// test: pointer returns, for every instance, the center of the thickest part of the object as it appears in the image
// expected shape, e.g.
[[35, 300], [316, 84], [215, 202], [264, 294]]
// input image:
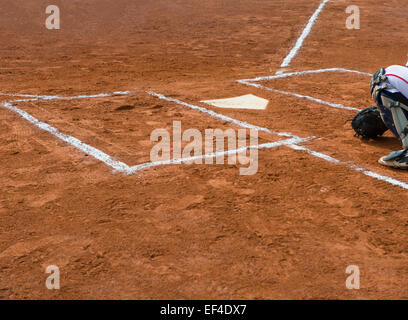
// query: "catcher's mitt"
[[368, 124]]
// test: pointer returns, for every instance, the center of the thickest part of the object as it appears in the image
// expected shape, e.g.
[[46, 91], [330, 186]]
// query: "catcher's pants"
[[387, 116]]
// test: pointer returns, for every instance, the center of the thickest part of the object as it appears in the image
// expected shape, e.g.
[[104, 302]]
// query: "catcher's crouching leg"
[[394, 112]]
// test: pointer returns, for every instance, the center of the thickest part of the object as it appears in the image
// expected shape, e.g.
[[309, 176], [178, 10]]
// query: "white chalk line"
[[121, 166], [384, 178], [304, 35], [368, 173], [306, 72], [268, 145], [85, 148], [297, 95], [19, 95], [43, 97]]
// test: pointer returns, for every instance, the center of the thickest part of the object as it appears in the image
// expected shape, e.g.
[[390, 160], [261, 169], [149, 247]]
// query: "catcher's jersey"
[[398, 78]]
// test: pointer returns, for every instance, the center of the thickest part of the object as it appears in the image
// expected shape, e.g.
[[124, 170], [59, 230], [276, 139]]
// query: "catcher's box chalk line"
[[304, 35]]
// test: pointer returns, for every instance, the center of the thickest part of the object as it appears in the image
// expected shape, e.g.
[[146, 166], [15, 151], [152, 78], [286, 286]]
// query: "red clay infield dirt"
[[196, 231]]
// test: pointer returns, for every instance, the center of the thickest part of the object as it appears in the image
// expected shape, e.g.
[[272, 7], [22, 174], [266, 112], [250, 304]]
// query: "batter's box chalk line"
[[119, 166]]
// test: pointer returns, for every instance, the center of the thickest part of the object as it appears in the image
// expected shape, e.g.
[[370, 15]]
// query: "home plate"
[[248, 101]]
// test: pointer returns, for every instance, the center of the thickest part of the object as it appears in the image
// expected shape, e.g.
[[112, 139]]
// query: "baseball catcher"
[[389, 89]]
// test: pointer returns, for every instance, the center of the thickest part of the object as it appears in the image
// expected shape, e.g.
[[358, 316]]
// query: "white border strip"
[[269, 145], [37, 98], [123, 167], [20, 95], [300, 73], [380, 177], [304, 35], [317, 100], [368, 173], [87, 149]]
